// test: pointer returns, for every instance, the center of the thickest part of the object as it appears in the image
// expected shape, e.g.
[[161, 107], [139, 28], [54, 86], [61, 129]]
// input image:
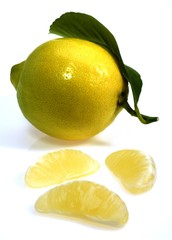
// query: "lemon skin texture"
[[69, 88]]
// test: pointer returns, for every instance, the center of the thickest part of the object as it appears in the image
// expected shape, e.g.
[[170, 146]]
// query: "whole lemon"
[[69, 88]]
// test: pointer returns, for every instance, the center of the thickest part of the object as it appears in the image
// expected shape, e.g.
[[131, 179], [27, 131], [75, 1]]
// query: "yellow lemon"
[[57, 167], [69, 88], [84, 199], [135, 169]]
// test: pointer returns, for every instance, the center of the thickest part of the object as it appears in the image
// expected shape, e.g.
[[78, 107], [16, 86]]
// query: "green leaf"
[[83, 26], [135, 81], [79, 25]]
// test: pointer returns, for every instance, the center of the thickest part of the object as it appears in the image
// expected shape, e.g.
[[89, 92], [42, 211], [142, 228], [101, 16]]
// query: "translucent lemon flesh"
[[84, 199], [135, 169], [57, 167]]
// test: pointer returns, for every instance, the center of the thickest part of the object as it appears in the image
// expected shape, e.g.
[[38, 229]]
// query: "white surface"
[[143, 32]]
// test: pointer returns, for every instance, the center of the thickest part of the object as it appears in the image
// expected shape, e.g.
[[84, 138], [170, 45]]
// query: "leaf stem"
[[143, 118]]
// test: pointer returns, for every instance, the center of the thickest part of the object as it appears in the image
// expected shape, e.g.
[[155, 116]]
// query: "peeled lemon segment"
[[60, 166], [135, 169], [86, 200]]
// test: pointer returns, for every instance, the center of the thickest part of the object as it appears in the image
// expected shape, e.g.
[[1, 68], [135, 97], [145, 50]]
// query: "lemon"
[[135, 169], [57, 167], [84, 199], [69, 88]]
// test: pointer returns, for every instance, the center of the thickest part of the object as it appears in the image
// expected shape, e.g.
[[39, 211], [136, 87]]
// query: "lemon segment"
[[135, 169], [84, 199], [57, 167]]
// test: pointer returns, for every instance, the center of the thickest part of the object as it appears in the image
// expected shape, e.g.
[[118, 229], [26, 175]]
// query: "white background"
[[143, 32]]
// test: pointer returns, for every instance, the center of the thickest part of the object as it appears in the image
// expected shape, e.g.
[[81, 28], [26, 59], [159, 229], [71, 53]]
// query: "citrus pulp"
[[135, 169], [57, 167], [84, 199]]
